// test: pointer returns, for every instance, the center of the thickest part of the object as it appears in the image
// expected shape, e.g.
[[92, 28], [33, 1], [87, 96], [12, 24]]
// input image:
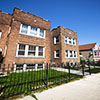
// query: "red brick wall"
[[15, 38]]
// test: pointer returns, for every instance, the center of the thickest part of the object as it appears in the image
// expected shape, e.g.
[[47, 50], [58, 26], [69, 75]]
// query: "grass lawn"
[[16, 83]]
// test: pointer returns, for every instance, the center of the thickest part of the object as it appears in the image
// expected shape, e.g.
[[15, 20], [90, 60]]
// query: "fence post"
[[69, 72], [0, 66], [47, 75], [83, 68], [94, 64], [89, 68]]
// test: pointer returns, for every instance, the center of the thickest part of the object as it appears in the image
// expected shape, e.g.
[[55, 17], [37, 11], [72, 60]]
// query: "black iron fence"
[[17, 81]]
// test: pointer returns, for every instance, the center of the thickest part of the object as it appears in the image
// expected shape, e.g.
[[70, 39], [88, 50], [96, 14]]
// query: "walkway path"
[[87, 88], [78, 72]]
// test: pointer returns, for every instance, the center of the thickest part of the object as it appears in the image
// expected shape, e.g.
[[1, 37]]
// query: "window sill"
[[56, 57], [29, 57], [32, 36]]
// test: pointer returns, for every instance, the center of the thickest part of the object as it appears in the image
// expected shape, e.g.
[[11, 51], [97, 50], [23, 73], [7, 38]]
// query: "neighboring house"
[[64, 46], [90, 51], [24, 40]]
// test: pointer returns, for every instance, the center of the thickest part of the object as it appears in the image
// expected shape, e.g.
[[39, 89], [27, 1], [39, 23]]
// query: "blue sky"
[[82, 16]]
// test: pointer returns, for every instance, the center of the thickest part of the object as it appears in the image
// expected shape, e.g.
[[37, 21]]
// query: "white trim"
[[0, 34], [72, 39], [26, 52], [29, 30], [55, 54], [5, 51], [96, 58], [25, 65], [70, 54]]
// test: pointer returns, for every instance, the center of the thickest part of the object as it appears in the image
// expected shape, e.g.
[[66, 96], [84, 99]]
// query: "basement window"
[[40, 66], [19, 66], [30, 66]]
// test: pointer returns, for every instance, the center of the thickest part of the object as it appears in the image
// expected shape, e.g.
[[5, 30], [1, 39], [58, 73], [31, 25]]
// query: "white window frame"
[[67, 53], [55, 40], [18, 50], [26, 51], [96, 54], [65, 39], [43, 33], [74, 41], [31, 50], [29, 30], [35, 32], [55, 53], [43, 51], [21, 29], [25, 65], [71, 54], [0, 34]]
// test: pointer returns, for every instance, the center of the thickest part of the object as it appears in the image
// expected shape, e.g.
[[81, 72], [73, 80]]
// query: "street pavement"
[[87, 88]]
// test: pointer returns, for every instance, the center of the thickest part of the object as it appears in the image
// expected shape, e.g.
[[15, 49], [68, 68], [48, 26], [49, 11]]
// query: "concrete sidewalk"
[[84, 89]]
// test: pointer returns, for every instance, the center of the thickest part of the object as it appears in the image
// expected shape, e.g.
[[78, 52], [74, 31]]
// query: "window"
[[56, 39], [21, 50], [0, 34], [31, 50], [40, 66], [41, 32], [33, 30], [19, 66], [74, 53], [95, 53], [30, 66], [66, 41], [74, 42], [40, 51], [66, 53], [56, 53], [24, 29], [70, 42], [71, 54]]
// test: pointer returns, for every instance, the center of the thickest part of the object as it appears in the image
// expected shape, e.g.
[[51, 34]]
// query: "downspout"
[[9, 32]]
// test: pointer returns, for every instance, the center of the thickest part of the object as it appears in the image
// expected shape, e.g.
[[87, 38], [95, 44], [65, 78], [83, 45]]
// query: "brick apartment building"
[[90, 51], [24, 40], [65, 46]]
